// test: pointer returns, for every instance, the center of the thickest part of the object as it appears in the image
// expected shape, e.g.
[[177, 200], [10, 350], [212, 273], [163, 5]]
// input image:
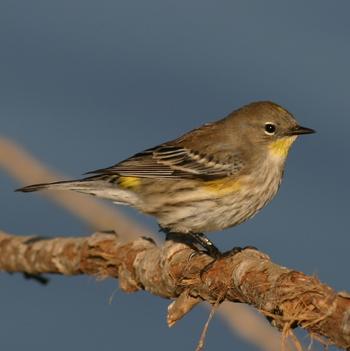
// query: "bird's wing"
[[206, 152], [169, 161]]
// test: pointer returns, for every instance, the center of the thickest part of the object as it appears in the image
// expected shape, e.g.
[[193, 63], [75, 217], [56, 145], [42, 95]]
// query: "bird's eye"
[[270, 128]]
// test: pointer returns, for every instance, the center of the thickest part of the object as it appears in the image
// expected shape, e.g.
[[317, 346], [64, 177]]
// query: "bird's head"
[[267, 126]]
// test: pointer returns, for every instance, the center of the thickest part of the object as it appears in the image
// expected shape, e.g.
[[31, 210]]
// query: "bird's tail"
[[100, 185], [61, 185]]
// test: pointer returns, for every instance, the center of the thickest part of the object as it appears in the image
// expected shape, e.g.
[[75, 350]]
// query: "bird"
[[209, 179]]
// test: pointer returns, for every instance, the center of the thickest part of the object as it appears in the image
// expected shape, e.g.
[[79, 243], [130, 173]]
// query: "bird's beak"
[[298, 130]]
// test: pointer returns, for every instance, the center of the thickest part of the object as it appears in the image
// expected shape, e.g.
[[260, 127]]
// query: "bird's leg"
[[193, 238], [206, 244], [201, 240]]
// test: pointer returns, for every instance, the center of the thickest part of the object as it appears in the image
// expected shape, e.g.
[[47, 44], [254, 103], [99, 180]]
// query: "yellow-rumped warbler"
[[211, 178]]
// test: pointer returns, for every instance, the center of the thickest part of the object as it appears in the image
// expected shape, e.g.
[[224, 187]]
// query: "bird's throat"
[[280, 147]]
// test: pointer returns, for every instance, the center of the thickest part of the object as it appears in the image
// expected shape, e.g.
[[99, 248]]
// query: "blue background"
[[84, 84]]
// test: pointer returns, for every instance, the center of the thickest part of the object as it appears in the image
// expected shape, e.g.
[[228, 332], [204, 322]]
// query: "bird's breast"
[[249, 196]]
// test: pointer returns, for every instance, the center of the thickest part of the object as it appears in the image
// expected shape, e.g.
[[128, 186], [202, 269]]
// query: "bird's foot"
[[193, 240], [209, 248], [199, 239], [235, 250]]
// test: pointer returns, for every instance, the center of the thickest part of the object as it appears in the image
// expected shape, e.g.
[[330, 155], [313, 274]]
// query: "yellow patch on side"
[[280, 147], [129, 182], [223, 186]]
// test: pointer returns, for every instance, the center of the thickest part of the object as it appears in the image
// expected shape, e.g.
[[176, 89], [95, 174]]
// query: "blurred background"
[[85, 84]]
